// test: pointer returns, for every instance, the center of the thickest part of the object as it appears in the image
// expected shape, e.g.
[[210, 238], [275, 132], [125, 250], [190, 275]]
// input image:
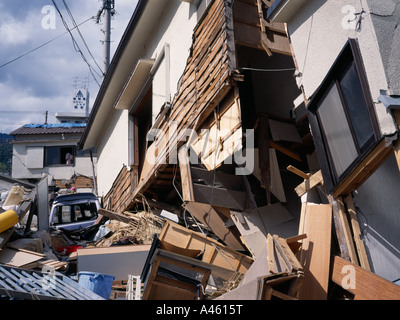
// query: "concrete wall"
[[385, 17], [318, 33], [21, 160]]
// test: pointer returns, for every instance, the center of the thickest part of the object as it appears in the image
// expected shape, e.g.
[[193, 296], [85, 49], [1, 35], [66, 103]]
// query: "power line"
[[80, 34], [42, 45], [75, 44]]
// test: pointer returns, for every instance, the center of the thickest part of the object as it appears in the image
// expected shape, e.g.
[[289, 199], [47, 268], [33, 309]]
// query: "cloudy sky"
[[44, 79]]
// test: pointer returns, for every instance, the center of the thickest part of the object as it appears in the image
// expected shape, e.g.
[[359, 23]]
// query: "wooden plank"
[[18, 257], [283, 246], [298, 172], [270, 255], [339, 230], [343, 220], [362, 253], [363, 284], [285, 151], [213, 251], [186, 177], [315, 252], [309, 183], [365, 169]]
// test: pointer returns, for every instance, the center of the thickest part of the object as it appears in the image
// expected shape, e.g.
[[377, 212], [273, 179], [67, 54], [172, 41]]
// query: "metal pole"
[[107, 35]]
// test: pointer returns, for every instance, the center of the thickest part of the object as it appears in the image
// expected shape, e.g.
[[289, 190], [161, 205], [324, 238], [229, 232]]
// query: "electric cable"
[[80, 34], [42, 45], [75, 44]]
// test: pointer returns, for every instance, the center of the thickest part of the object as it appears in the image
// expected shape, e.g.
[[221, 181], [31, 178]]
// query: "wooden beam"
[[298, 172], [186, 177], [343, 220], [365, 169], [309, 183], [284, 150], [363, 284], [362, 253]]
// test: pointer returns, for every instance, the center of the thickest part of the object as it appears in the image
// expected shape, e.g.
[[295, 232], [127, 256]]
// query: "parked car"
[[74, 211]]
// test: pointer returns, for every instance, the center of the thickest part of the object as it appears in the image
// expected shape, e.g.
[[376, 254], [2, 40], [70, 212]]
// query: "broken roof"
[[33, 129]]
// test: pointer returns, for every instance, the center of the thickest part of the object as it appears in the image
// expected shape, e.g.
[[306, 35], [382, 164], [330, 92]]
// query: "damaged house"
[[264, 136]]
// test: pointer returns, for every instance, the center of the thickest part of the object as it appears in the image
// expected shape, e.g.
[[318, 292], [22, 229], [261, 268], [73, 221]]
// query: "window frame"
[[45, 160], [350, 55]]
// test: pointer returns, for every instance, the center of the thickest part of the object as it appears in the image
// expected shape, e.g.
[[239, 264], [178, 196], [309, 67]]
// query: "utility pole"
[[109, 11]]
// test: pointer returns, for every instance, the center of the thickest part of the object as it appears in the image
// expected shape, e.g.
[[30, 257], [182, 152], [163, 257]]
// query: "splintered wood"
[[139, 227]]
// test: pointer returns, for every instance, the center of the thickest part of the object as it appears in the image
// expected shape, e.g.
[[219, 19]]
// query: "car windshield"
[[70, 213]]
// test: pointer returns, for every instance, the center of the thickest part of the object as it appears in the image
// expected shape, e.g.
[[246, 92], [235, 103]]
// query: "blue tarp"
[[56, 125]]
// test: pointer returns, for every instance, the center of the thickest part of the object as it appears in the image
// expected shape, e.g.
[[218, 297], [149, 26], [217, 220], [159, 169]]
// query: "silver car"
[[74, 211]]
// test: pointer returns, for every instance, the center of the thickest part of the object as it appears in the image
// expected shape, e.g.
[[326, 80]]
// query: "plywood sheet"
[[316, 252], [19, 257]]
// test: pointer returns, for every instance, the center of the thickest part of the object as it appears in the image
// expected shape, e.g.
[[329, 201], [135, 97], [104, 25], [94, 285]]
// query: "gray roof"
[[36, 129]]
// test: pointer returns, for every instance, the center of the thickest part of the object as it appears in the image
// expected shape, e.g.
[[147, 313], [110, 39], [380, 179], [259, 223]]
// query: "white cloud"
[[13, 32]]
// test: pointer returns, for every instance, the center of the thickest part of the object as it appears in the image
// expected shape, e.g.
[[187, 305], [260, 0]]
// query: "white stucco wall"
[[112, 151], [318, 33]]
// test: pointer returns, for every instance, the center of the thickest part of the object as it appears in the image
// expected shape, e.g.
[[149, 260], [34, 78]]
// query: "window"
[[59, 155], [65, 214], [342, 117]]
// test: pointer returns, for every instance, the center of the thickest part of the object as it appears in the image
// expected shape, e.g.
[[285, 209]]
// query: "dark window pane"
[[59, 155], [52, 156], [356, 106]]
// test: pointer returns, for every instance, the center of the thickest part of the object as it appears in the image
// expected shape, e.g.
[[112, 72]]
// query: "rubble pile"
[[153, 254]]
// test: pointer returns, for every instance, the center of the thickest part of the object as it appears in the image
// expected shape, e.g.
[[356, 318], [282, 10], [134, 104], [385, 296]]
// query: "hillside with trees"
[[5, 154]]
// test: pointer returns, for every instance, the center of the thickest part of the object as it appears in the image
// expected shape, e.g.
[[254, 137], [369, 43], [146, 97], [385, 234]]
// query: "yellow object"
[[8, 219]]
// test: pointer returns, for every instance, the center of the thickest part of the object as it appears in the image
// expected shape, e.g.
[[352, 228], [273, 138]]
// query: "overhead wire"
[[80, 34], [76, 46], [42, 45]]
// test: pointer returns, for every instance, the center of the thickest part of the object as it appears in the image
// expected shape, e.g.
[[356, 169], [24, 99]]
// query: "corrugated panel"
[[31, 285]]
